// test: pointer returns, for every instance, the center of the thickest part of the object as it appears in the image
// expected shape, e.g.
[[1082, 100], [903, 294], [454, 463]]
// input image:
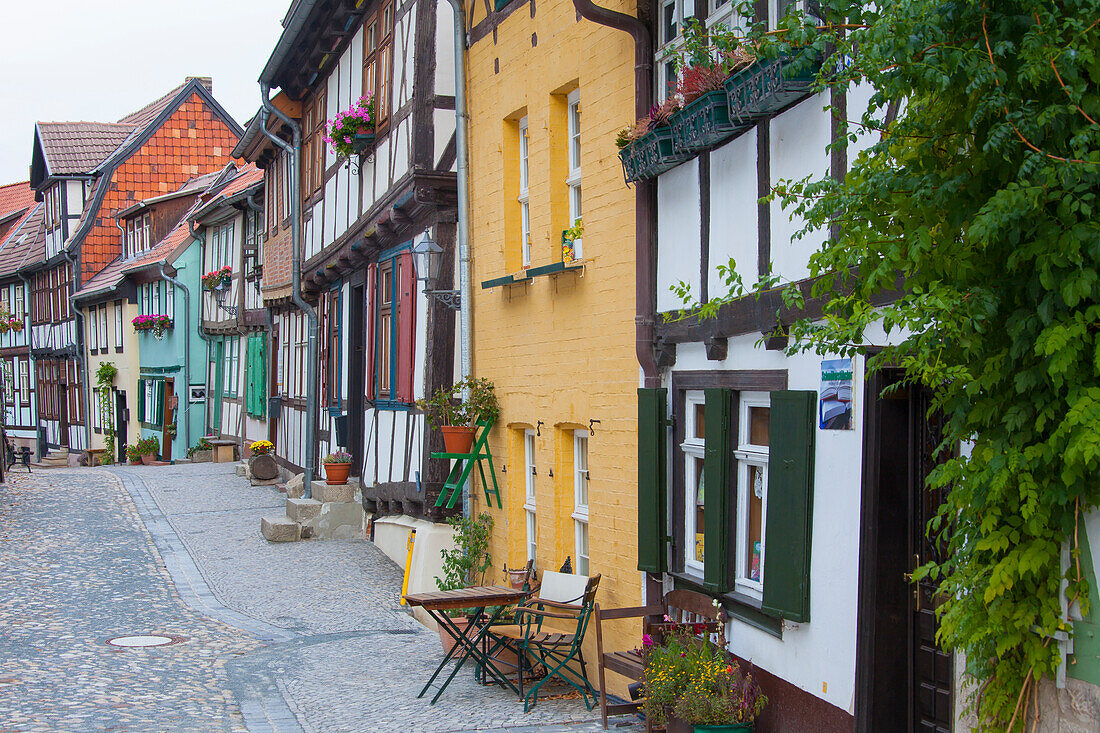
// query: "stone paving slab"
[[288, 638]]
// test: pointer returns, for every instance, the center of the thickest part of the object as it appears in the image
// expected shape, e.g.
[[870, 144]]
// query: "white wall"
[[678, 256], [733, 211]]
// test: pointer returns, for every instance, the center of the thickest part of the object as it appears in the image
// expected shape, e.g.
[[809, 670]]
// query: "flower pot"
[[148, 460], [731, 728], [516, 578], [458, 438], [446, 638], [337, 473]]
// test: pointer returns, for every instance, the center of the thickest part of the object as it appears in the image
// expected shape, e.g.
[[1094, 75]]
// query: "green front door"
[[217, 389]]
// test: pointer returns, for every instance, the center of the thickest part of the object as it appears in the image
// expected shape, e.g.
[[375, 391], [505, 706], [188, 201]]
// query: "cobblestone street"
[[305, 636]]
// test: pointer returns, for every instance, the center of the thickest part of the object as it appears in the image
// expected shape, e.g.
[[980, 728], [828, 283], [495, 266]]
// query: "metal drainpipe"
[[295, 151], [28, 329], [462, 156], [645, 207], [186, 352], [80, 354], [202, 334]]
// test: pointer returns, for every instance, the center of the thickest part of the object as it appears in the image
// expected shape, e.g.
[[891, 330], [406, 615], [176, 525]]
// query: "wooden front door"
[[121, 427], [169, 412], [904, 681], [62, 412]]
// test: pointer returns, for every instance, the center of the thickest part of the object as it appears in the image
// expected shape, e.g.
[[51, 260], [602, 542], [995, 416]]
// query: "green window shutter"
[[141, 400], [158, 408], [499, 4], [790, 505], [716, 494], [261, 377], [652, 495], [249, 376]]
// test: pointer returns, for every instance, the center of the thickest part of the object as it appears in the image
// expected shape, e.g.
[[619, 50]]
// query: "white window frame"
[[19, 306], [693, 448], [747, 455], [96, 413], [524, 197], [24, 382], [581, 487], [104, 332], [118, 324], [169, 299], [573, 115], [529, 469], [667, 46], [93, 342]]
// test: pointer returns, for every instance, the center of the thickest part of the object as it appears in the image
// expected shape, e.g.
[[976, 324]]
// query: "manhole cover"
[[144, 640]]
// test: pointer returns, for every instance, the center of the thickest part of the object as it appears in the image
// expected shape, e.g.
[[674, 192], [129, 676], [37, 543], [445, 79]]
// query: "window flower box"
[[362, 142], [650, 155], [156, 324], [215, 278], [766, 87], [704, 123], [351, 132]]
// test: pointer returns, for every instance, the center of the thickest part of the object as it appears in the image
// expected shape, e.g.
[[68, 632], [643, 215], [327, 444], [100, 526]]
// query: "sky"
[[98, 60]]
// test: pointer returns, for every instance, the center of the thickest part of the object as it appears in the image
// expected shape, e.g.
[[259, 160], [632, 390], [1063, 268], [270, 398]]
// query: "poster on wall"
[[197, 393], [835, 398]]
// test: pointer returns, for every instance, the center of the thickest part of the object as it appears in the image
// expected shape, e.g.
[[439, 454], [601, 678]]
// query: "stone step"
[[302, 510], [280, 529], [325, 492]]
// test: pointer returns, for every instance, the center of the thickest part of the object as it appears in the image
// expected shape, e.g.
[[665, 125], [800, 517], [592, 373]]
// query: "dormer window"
[[138, 236], [54, 211]]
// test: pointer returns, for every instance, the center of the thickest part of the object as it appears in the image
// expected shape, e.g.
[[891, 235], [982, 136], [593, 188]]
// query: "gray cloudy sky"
[[101, 59]]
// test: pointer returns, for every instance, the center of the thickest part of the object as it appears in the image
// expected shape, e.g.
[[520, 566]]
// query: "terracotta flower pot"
[[337, 473], [458, 438], [149, 460], [446, 638]]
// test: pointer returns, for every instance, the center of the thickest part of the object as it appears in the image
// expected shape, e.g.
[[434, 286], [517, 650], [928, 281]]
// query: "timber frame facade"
[[382, 342]]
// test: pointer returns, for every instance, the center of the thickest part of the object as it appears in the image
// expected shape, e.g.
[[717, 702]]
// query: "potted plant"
[[157, 324], [465, 565], [571, 242], [146, 450], [337, 467], [692, 685], [132, 455], [351, 132], [203, 451], [214, 278], [457, 417]]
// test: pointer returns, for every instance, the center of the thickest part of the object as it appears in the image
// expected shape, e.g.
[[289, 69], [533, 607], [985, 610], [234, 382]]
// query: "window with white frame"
[[580, 500], [24, 382], [671, 22], [524, 196], [118, 325], [574, 179], [93, 331], [9, 383], [104, 335], [752, 496], [529, 492], [97, 424], [19, 304], [693, 449], [169, 299]]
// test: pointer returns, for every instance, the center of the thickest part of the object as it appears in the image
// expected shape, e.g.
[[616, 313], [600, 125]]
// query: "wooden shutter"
[[371, 321], [158, 395], [406, 327], [790, 505], [652, 479], [141, 400], [261, 377], [716, 494]]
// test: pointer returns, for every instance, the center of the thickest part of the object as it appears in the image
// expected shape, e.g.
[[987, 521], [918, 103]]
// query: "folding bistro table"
[[468, 640]]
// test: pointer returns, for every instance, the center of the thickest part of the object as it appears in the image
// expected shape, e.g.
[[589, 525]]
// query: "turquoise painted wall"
[[165, 357]]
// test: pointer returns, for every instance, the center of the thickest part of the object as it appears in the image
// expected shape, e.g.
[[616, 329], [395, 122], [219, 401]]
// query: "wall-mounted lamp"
[[220, 291], [428, 259]]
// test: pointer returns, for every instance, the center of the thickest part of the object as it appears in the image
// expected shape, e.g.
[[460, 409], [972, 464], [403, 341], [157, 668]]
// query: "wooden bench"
[[224, 450], [681, 606], [95, 456]]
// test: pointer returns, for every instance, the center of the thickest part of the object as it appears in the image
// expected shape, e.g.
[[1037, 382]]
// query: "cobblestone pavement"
[[305, 636]]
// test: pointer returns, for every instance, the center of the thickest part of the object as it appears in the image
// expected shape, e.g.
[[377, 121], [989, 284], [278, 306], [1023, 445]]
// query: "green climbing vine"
[[976, 189], [105, 379]]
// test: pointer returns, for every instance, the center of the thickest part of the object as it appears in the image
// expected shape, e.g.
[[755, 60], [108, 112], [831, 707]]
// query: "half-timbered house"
[[382, 342], [22, 235], [232, 316], [85, 173]]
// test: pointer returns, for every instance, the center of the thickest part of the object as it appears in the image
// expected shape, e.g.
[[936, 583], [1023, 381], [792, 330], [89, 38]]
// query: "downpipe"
[[201, 238], [295, 150], [186, 352], [462, 162], [32, 377]]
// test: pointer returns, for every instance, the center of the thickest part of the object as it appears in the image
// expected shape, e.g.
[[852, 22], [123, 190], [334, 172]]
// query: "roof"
[[78, 147], [148, 113], [193, 186], [26, 243], [15, 198], [249, 177]]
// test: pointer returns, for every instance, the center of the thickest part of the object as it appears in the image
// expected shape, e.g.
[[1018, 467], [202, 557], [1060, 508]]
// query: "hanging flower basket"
[[704, 123], [10, 323], [155, 324], [768, 86], [215, 278], [351, 132], [650, 155]]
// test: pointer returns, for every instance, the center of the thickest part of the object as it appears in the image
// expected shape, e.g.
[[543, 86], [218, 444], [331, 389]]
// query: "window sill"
[[392, 405], [738, 605], [532, 272]]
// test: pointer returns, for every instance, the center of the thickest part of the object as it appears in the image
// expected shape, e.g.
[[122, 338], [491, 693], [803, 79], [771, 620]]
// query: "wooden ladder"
[[464, 463]]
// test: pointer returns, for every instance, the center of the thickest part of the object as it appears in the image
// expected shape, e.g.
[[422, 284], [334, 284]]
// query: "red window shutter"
[[372, 318], [406, 327]]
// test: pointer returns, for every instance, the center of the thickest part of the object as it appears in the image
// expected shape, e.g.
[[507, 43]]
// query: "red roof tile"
[[26, 243], [15, 198], [146, 114]]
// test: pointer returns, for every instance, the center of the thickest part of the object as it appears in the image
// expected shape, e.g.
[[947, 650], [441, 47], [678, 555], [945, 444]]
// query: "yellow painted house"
[[554, 331]]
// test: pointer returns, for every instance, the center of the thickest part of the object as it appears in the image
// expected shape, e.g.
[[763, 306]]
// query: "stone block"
[[202, 456], [262, 482], [241, 469], [295, 487], [325, 493], [280, 529], [338, 521], [302, 510]]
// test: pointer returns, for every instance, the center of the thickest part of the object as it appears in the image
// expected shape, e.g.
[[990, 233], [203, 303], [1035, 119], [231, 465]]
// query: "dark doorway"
[[121, 415], [904, 681], [63, 415], [356, 385]]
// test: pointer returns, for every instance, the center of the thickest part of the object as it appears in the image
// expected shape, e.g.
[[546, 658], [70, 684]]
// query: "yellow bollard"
[[408, 564]]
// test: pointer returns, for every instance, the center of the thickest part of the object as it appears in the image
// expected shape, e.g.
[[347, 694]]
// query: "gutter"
[[81, 364], [309, 456], [186, 352], [645, 207]]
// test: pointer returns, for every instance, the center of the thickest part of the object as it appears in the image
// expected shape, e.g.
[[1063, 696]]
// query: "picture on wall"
[[835, 397]]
